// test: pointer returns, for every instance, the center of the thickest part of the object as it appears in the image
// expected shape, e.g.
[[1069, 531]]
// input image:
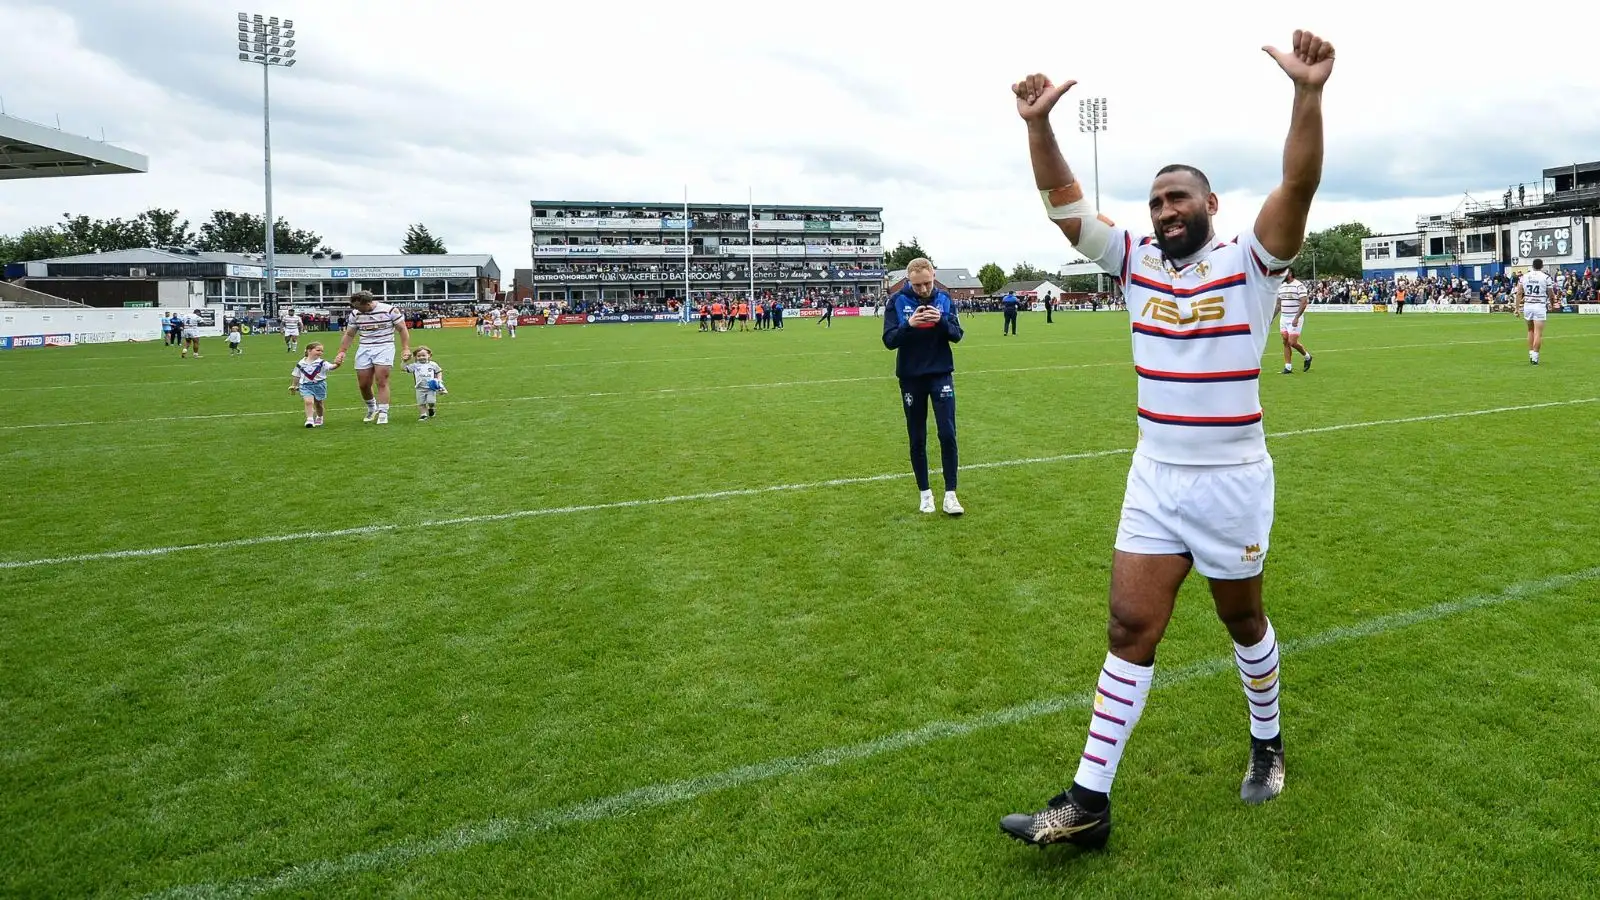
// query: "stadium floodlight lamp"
[[267, 42]]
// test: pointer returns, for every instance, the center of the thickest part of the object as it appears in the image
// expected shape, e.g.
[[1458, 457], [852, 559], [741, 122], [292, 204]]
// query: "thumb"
[[1062, 88]]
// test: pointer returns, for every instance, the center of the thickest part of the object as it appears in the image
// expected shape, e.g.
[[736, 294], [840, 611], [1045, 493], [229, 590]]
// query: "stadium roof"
[[29, 150], [728, 207], [284, 260], [1579, 168]]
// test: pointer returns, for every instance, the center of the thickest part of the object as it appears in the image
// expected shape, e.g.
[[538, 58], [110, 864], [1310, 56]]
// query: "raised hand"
[[1036, 96], [1309, 62]]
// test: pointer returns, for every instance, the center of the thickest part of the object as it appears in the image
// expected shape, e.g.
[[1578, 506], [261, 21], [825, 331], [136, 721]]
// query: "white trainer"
[[951, 504], [372, 415], [383, 418], [927, 501]]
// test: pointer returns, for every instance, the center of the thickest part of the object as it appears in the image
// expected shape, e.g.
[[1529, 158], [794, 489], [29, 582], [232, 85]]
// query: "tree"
[[1334, 252], [165, 230], [993, 277], [41, 242], [235, 232], [1026, 272], [903, 253], [420, 240]]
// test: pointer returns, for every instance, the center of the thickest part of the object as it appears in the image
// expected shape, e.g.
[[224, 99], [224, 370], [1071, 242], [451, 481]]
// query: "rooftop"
[[678, 207], [284, 260], [30, 150], [952, 279]]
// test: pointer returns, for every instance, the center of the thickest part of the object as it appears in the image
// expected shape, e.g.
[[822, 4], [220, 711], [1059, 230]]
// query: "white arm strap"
[[1094, 234]]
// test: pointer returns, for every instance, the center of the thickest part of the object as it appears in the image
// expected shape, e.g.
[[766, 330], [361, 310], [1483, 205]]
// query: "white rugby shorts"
[[377, 355], [190, 334], [1289, 326], [1221, 516], [1534, 312]]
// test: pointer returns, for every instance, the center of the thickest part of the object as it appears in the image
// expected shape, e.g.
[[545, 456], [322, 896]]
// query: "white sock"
[[1118, 702], [1258, 671], [383, 407], [372, 406]]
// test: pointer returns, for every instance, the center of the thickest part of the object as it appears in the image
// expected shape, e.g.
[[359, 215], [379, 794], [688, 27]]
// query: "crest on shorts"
[[1251, 553], [909, 399]]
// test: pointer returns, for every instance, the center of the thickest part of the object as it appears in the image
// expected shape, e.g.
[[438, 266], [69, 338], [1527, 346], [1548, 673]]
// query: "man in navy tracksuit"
[[920, 324], [1008, 306]]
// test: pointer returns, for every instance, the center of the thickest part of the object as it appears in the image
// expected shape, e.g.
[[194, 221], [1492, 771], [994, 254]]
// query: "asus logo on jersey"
[[1164, 310]]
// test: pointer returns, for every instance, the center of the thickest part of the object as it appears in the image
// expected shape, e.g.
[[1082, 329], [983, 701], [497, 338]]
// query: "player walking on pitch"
[[1292, 300], [376, 323], [1533, 290], [1200, 487]]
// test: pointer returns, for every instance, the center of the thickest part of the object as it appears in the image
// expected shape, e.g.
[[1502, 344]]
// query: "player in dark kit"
[[920, 324]]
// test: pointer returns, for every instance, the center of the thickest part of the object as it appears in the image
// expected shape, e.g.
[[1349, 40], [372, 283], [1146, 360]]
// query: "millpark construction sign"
[[293, 273]]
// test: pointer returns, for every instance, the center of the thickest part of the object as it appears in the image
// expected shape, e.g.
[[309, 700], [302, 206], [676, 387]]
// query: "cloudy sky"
[[457, 114]]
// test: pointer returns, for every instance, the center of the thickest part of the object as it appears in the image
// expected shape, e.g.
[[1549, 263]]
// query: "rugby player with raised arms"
[[1200, 488]]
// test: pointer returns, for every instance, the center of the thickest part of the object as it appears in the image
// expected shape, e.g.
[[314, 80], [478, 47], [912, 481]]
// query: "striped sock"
[[1118, 702], [1258, 670]]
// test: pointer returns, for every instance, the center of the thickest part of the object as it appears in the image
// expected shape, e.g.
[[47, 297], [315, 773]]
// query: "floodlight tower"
[[266, 43], [1092, 119]]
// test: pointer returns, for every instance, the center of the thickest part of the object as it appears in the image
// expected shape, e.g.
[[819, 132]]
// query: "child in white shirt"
[[311, 382], [234, 337], [430, 382]]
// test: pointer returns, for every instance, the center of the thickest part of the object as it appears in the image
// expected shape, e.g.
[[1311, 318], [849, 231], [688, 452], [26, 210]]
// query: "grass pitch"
[[646, 611]]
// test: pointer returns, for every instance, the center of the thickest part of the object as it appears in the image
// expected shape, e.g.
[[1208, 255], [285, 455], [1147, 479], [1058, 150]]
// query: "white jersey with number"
[[376, 328], [1535, 286], [1198, 334], [1291, 301]]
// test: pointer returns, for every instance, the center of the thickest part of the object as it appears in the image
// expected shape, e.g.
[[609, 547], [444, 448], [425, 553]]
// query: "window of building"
[[1407, 248], [400, 291]]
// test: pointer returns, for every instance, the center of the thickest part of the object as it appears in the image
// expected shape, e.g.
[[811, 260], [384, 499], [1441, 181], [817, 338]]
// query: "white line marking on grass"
[[304, 875], [382, 527]]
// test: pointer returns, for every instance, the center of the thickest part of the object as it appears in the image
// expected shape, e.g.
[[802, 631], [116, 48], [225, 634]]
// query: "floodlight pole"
[[264, 42], [1092, 119], [269, 298]]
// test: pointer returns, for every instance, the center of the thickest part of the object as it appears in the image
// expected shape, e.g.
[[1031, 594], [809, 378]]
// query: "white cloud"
[[457, 115]]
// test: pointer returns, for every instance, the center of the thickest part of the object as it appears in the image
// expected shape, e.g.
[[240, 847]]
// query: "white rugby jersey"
[[376, 328], [309, 369], [1198, 336], [1535, 286], [291, 325], [1292, 299]]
